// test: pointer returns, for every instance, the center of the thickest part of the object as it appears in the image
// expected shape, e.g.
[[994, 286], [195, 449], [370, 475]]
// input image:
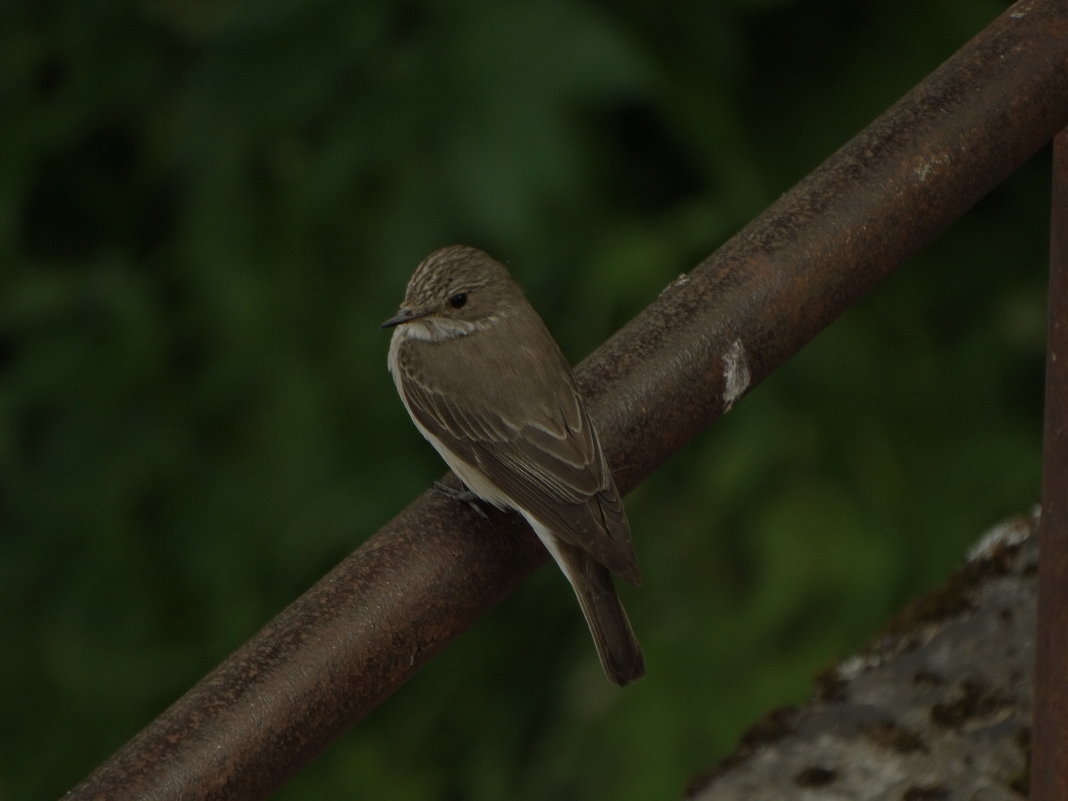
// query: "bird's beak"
[[402, 316]]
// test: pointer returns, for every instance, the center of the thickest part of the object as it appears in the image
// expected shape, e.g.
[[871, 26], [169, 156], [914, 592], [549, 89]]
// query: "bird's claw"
[[461, 495]]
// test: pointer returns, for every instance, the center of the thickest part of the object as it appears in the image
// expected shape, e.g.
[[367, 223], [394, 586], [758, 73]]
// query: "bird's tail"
[[621, 656]]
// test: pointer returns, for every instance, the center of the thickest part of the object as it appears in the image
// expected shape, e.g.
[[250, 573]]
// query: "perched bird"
[[486, 384]]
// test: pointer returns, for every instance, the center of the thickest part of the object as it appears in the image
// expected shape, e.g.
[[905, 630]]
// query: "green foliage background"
[[206, 208]]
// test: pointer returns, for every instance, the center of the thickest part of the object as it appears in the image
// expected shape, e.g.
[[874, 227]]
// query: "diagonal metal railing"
[[346, 644]]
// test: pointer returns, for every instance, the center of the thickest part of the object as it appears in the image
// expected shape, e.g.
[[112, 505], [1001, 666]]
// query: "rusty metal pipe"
[[369, 625], [1049, 743]]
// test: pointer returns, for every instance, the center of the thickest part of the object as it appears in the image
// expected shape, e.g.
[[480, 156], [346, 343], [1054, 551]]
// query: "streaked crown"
[[458, 290]]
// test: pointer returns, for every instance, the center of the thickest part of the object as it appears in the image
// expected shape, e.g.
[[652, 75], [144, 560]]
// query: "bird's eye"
[[459, 300]]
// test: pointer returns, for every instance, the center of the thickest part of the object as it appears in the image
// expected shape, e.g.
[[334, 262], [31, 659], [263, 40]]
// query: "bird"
[[486, 384]]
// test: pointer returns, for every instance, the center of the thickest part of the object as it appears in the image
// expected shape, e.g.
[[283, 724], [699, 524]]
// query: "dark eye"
[[459, 300]]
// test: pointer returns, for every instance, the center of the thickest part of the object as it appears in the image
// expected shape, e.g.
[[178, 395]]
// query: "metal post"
[[1049, 744]]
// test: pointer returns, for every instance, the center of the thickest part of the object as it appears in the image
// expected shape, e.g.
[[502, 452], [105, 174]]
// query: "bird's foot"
[[461, 495]]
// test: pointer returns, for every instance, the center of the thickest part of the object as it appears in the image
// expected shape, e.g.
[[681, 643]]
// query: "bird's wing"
[[548, 461]]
